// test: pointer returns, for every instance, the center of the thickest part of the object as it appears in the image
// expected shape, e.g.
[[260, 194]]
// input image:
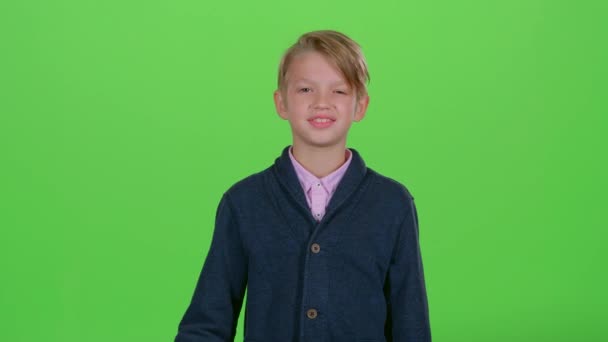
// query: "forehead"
[[313, 67], [339, 81]]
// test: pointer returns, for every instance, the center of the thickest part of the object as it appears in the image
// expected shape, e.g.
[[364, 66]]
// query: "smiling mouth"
[[321, 122]]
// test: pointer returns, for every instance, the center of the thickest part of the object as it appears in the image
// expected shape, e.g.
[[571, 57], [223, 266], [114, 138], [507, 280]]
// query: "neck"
[[320, 161]]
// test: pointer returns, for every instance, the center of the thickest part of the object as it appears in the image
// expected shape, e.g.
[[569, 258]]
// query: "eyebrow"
[[311, 81]]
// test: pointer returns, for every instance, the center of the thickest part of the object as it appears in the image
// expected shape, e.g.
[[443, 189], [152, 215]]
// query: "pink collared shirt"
[[319, 191]]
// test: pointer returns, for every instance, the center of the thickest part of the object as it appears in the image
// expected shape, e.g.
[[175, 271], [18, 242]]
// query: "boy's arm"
[[405, 291], [213, 313]]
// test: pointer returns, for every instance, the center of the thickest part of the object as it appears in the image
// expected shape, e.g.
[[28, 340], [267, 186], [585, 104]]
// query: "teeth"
[[321, 120]]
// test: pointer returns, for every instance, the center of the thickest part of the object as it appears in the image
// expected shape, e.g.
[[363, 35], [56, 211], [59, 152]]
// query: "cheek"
[[347, 106], [299, 105], [347, 101]]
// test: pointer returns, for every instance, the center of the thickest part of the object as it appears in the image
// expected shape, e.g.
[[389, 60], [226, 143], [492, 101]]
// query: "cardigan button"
[[315, 248], [311, 313]]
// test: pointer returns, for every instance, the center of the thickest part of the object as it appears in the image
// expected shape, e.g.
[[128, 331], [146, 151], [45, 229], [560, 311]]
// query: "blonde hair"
[[339, 49]]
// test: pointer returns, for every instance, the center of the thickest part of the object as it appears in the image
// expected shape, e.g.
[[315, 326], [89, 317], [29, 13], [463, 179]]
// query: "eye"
[[303, 90], [341, 92]]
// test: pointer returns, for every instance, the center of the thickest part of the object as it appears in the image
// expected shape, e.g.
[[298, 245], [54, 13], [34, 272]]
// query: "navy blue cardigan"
[[356, 275]]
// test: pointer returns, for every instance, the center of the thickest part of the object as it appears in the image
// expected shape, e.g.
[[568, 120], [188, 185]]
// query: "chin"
[[321, 143]]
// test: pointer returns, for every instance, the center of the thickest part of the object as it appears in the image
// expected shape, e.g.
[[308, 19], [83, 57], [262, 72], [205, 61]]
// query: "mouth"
[[321, 122]]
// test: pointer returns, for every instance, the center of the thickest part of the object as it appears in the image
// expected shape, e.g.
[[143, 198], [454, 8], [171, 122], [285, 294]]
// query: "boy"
[[327, 247]]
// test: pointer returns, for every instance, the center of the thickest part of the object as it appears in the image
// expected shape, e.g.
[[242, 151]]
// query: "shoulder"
[[389, 187], [397, 200], [385, 199], [248, 188]]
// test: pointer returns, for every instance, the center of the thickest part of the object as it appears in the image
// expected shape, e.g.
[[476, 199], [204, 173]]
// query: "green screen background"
[[122, 123]]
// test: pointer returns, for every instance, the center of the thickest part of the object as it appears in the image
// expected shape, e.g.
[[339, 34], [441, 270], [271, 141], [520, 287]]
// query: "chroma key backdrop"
[[123, 122]]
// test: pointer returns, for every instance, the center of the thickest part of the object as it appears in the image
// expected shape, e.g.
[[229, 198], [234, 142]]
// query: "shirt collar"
[[284, 172], [329, 182]]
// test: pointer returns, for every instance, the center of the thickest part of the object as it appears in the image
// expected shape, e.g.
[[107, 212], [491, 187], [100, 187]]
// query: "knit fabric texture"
[[356, 275]]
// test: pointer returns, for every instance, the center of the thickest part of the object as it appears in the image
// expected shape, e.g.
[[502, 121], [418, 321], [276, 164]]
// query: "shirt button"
[[311, 313], [318, 184], [315, 248]]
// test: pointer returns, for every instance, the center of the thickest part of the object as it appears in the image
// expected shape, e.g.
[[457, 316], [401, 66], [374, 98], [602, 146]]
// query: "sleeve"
[[405, 291], [213, 312]]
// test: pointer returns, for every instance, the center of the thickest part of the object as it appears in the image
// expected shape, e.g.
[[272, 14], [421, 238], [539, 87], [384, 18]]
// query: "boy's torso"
[[321, 281]]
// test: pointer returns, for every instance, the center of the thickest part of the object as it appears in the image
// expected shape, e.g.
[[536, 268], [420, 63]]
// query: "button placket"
[[318, 199]]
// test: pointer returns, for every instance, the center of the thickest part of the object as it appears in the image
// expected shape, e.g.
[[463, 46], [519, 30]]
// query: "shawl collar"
[[286, 175]]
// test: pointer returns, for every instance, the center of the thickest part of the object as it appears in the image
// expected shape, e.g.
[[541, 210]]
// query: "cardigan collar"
[[287, 177]]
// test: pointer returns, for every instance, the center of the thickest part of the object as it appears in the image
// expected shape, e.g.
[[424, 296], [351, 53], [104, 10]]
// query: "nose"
[[322, 100]]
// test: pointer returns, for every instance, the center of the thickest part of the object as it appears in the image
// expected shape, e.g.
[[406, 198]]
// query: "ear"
[[279, 104], [361, 107]]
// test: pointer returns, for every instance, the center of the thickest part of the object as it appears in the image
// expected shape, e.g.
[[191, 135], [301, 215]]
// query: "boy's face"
[[314, 88]]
